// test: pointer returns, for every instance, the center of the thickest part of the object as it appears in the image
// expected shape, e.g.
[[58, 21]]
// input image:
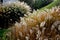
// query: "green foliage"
[[53, 4], [36, 4], [3, 34], [41, 3]]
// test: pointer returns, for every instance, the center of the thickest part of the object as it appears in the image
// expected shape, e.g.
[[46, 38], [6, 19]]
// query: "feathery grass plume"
[[11, 12], [41, 25]]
